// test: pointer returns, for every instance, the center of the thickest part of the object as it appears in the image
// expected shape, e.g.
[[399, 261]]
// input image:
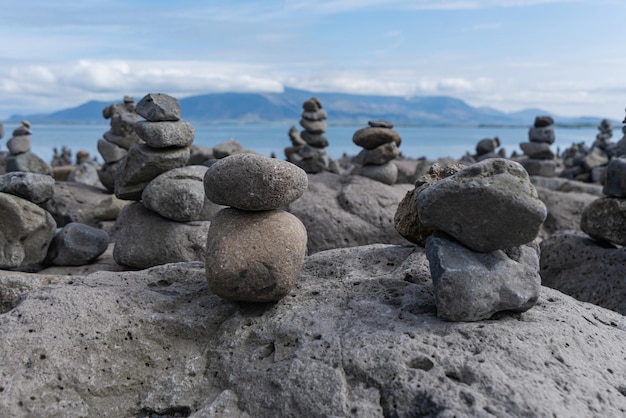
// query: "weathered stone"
[[542, 121], [166, 134], [472, 286], [145, 239], [25, 232], [487, 206], [254, 182], [107, 174], [110, 152], [319, 114], [312, 105], [596, 158], [380, 155], [615, 184], [254, 256], [76, 245], [86, 173], [159, 107], [542, 134], [314, 126], [179, 195], [36, 188], [537, 150], [142, 164], [227, 148], [407, 223], [18, 144], [534, 167], [27, 161], [370, 138], [605, 219], [77, 202], [314, 140], [123, 141], [386, 173]]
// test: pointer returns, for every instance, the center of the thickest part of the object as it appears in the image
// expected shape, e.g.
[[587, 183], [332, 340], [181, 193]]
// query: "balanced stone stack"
[[254, 250], [118, 139], [380, 146], [604, 219], [20, 157], [308, 150], [589, 164], [540, 160], [482, 221], [169, 207]]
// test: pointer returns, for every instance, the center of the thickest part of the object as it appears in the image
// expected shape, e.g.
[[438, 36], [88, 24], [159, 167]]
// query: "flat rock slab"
[[358, 336]]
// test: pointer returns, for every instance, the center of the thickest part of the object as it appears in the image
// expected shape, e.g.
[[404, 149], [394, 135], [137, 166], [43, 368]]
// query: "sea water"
[[268, 139]]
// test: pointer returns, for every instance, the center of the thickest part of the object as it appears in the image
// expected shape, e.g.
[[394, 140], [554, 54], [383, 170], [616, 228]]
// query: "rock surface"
[[358, 336], [605, 219]]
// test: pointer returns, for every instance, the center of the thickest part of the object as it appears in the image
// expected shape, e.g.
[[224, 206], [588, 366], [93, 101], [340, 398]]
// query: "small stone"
[[158, 107], [312, 105], [542, 121], [537, 150], [22, 131], [18, 144], [166, 134], [254, 182], [227, 148], [370, 138], [541, 134], [110, 152], [319, 114], [604, 219], [386, 173], [314, 140], [472, 286], [544, 168], [76, 244], [254, 257], [380, 155], [380, 124], [487, 206], [615, 184], [314, 126], [487, 145]]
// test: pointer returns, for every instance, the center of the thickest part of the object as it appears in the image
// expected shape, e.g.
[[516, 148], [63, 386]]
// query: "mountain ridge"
[[342, 108]]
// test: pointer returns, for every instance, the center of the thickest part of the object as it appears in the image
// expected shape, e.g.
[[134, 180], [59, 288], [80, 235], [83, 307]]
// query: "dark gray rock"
[[145, 239], [380, 124], [166, 134], [372, 137], [22, 131], [386, 173], [254, 182], [76, 245], [319, 114], [26, 231], [142, 165], [380, 155], [542, 134], [615, 184], [226, 148], [18, 144], [159, 107], [27, 161], [314, 140], [472, 286], [110, 152], [107, 174], [312, 105], [537, 150], [487, 206], [254, 256], [543, 168], [487, 145], [36, 188], [314, 126], [605, 219], [541, 121]]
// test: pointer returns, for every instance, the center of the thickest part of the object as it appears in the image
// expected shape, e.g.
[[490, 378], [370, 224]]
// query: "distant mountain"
[[342, 108]]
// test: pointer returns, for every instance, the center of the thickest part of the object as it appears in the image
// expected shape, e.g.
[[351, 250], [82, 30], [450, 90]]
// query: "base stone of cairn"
[[162, 145], [380, 147], [20, 157], [254, 250], [308, 150], [482, 254], [539, 159]]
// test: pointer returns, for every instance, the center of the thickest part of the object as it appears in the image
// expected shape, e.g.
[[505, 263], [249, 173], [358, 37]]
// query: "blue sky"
[[564, 56]]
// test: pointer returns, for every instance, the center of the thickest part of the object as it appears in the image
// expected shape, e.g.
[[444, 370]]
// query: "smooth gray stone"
[[27, 161], [142, 165], [26, 231], [227, 148], [107, 174], [86, 173], [386, 173], [543, 168], [76, 244], [595, 158], [159, 107], [18, 144], [472, 286], [605, 219], [166, 134], [22, 130], [110, 152], [372, 137], [487, 206], [254, 182], [314, 126], [380, 155], [179, 195], [487, 145], [36, 188], [541, 134], [314, 140], [537, 150], [380, 124], [615, 184], [145, 239], [317, 115], [312, 105]]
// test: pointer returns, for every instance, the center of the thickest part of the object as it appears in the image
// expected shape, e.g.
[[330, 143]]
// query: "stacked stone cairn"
[[254, 249], [540, 160], [479, 224], [308, 150], [589, 164], [380, 147], [118, 139], [485, 148], [20, 157], [168, 196], [604, 219]]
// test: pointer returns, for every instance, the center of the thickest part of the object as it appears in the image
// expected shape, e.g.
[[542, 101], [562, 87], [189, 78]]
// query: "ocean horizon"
[[267, 139]]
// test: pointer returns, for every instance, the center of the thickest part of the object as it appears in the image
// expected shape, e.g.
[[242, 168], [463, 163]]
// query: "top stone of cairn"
[[159, 107]]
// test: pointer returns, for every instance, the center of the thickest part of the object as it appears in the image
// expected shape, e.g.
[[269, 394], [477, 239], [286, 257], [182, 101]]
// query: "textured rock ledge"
[[358, 336]]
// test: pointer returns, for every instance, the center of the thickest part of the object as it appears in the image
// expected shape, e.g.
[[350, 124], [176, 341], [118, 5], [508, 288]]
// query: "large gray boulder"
[[145, 239], [358, 336], [27, 161], [26, 231], [34, 187], [565, 209], [348, 211]]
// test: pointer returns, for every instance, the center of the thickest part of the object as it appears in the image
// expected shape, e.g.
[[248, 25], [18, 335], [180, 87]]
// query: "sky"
[[564, 56]]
